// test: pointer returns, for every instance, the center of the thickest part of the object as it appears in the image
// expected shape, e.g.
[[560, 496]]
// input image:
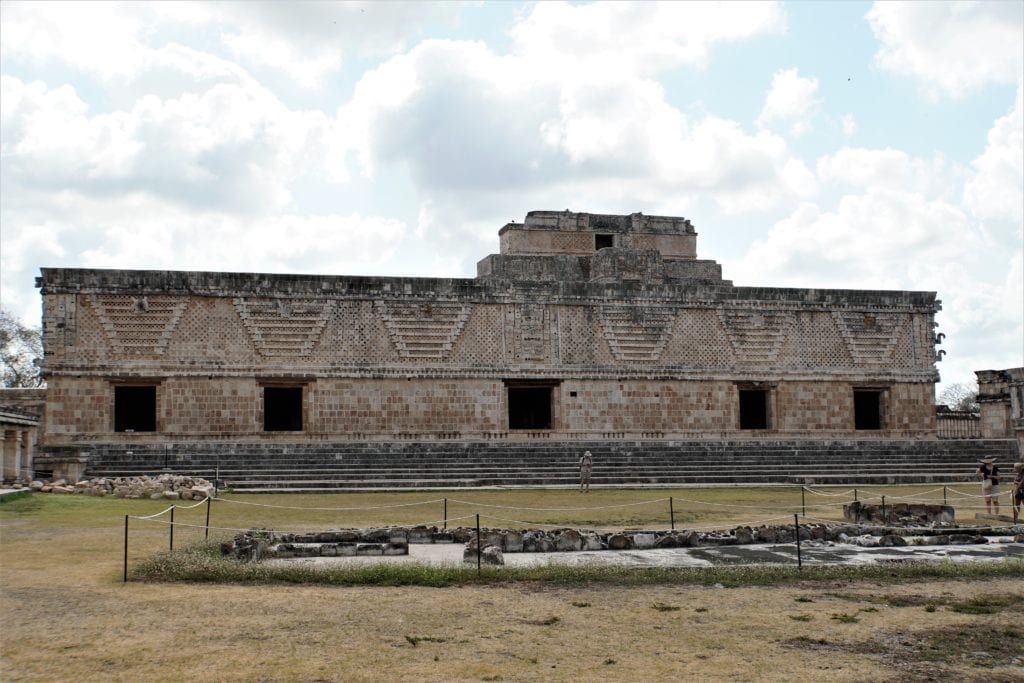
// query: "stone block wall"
[[630, 343]]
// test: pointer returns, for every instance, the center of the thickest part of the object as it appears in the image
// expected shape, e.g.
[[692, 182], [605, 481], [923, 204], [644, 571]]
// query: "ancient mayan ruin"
[[584, 328]]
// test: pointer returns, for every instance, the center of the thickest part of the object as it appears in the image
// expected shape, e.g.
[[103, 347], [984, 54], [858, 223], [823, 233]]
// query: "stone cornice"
[[481, 290]]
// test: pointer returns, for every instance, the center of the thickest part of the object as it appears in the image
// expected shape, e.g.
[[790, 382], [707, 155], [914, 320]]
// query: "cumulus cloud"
[[117, 42], [864, 243], [230, 147], [952, 48], [463, 119], [858, 167], [638, 37], [792, 101], [994, 190]]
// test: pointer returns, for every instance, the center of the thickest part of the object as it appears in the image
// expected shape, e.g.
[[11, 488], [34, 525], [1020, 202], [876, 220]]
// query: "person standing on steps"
[[586, 467], [988, 472]]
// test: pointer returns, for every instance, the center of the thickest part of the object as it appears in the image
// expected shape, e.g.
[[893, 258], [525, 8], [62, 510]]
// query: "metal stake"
[[671, 513], [445, 513], [799, 559], [125, 549], [172, 528], [478, 544], [803, 502], [208, 501]]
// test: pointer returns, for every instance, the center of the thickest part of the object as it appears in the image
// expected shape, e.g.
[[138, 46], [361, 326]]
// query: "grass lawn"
[[65, 615]]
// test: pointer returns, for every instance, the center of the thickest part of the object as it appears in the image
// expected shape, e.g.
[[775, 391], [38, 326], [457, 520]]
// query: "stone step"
[[336, 466]]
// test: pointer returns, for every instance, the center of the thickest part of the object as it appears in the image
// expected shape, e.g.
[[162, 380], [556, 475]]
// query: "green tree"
[[21, 353], [960, 396]]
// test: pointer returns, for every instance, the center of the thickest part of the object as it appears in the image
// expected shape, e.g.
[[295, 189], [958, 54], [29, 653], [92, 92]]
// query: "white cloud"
[[859, 167], [230, 147], [634, 37], [996, 188], [120, 42], [881, 239], [952, 48], [849, 125], [791, 100], [461, 118]]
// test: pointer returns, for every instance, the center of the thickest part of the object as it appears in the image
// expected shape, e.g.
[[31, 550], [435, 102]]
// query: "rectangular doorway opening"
[[529, 407], [282, 409], [867, 409], [135, 409], [603, 242], [753, 409]]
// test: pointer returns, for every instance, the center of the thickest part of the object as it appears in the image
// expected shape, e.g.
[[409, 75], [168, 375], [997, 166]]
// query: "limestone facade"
[[1001, 403], [20, 414], [583, 326]]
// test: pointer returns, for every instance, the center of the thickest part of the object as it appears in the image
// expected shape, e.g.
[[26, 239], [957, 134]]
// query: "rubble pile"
[[164, 486]]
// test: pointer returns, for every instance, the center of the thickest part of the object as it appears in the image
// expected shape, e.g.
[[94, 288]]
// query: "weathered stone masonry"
[[585, 326]]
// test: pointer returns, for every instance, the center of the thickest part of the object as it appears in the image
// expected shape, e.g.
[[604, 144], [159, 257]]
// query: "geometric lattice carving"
[[138, 324], [284, 327], [427, 331], [870, 337], [636, 333], [756, 336]]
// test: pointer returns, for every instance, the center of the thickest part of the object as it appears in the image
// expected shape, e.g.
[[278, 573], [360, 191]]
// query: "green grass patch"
[[202, 563], [8, 498]]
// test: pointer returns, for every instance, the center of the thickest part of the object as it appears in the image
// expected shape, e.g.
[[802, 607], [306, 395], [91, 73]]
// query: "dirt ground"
[[66, 615]]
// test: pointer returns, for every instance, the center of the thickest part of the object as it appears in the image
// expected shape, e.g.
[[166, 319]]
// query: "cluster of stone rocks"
[[257, 544], [899, 513], [164, 486]]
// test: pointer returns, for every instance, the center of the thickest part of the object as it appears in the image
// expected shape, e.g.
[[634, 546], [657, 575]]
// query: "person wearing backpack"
[[586, 467], [989, 474]]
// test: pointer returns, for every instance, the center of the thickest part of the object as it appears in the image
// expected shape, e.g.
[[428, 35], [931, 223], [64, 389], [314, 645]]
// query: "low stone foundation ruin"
[[900, 513], [258, 544]]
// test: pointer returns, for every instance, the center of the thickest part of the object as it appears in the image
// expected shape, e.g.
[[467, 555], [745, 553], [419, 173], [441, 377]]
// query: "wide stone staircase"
[[325, 467]]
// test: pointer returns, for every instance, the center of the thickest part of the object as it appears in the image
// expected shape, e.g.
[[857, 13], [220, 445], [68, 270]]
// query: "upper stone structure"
[[567, 246], [583, 326]]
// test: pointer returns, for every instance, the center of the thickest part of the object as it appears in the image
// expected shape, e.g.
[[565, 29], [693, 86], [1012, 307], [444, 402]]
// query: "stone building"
[[1001, 403], [583, 327], [20, 413]]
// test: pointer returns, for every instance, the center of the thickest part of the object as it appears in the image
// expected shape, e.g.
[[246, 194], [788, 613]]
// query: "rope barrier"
[[179, 507], [831, 495], [521, 522]]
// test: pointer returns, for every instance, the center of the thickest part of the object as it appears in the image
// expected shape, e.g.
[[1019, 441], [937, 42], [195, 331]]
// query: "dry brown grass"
[[66, 615]]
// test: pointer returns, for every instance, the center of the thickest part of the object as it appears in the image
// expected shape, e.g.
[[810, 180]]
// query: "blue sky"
[[838, 144]]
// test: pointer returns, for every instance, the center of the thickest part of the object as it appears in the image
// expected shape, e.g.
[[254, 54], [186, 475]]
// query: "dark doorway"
[[867, 410], [282, 409], [135, 409], [753, 409], [603, 242], [529, 407]]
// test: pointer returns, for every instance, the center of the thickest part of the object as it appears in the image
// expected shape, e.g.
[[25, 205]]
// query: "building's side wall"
[[402, 362]]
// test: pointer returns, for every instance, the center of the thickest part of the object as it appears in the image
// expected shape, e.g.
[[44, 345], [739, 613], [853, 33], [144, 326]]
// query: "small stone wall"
[[899, 513]]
